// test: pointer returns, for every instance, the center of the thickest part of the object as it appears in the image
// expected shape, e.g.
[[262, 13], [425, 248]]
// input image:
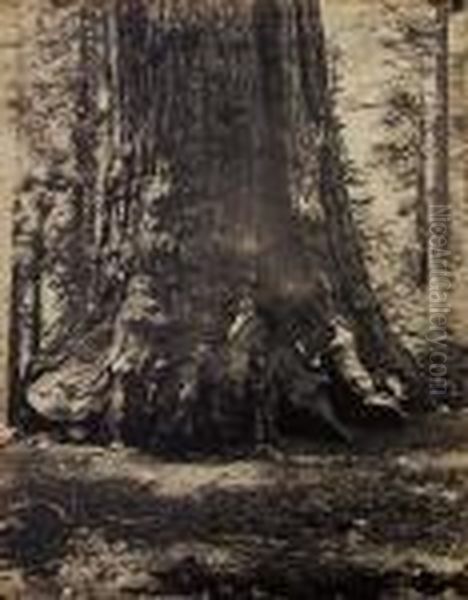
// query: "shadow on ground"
[[84, 522]]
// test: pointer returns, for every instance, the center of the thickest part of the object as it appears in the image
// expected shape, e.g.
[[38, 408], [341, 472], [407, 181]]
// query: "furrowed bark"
[[209, 206]]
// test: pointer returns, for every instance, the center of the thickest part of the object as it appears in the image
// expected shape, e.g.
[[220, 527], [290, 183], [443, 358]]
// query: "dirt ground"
[[387, 519]]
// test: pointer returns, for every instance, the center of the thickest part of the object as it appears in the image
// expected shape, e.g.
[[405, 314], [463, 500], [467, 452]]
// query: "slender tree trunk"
[[441, 120], [422, 222]]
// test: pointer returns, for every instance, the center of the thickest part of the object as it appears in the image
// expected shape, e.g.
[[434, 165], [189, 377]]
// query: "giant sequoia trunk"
[[199, 238]]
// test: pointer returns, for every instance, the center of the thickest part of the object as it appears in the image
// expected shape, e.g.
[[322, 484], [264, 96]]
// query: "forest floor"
[[388, 519]]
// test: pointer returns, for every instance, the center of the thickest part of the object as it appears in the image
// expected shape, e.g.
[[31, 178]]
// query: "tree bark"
[[211, 192]]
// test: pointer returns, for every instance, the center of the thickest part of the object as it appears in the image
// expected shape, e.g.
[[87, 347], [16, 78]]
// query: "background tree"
[[408, 148]]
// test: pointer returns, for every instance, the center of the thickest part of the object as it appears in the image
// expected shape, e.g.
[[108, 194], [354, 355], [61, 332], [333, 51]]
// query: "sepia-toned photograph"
[[233, 299]]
